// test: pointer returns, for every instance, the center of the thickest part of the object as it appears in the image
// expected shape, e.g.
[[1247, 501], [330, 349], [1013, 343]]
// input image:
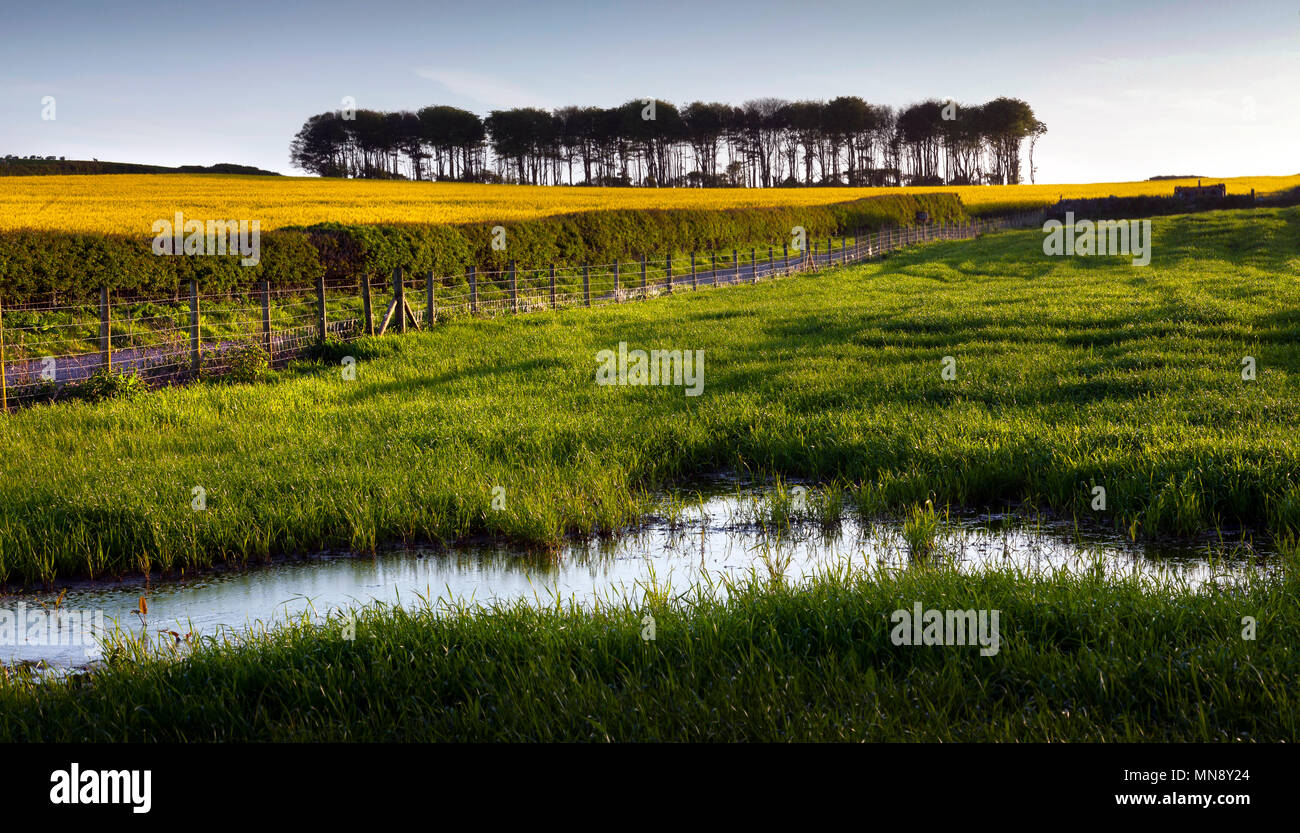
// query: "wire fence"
[[168, 340]]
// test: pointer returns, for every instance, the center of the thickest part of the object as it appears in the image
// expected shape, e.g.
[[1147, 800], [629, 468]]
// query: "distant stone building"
[[1201, 193]]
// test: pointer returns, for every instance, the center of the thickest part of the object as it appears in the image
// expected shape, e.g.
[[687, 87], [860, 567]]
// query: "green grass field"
[[1071, 373], [1079, 658]]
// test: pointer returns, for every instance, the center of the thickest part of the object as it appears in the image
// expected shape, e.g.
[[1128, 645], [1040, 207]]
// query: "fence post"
[[753, 264], [668, 271], [322, 325], [4, 377], [785, 253], [430, 311], [695, 276], [367, 312], [266, 318], [514, 290], [473, 291], [735, 267], [771, 261], [586, 285], [194, 323], [553, 304], [616, 271], [105, 342], [399, 299], [643, 287]]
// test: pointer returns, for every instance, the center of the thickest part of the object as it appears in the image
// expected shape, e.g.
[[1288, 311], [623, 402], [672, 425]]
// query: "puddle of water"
[[709, 538]]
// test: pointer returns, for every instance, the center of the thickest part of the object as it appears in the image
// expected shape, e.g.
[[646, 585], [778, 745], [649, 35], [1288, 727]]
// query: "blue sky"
[[1128, 90]]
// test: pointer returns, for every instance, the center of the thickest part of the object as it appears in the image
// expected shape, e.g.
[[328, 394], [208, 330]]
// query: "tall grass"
[[1081, 658], [1071, 372], [921, 531]]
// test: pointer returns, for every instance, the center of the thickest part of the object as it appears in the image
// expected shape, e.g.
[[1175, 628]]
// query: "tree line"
[[765, 142]]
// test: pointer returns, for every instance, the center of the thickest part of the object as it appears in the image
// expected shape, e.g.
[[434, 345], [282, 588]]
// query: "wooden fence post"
[[473, 291], [695, 276], [586, 285], [616, 270], [195, 357], [643, 286], [735, 267], [105, 333], [785, 253], [753, 265], [266, 318], [399, 299], [430, 309], [322, 325], [668, 270], [514, 290], [771, 261], [553, 304], [4, 376], [367, 312]]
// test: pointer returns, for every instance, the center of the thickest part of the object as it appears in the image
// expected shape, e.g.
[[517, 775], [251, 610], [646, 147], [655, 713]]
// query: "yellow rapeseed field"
[[130, 203]]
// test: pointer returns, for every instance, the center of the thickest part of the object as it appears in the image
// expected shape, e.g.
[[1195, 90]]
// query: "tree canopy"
[[761, 143]]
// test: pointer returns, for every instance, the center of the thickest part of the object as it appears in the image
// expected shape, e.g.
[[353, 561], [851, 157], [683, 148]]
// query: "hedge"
[[72, 266]]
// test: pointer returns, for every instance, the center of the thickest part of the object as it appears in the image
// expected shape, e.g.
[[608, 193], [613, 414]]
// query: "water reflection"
[[706, 539]]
